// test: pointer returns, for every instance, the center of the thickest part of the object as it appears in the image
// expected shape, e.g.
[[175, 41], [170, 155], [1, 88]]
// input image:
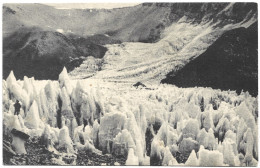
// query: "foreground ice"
[[206, 127]]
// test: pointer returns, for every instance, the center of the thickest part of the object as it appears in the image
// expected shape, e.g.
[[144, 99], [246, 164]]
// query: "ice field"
[[153, 125]]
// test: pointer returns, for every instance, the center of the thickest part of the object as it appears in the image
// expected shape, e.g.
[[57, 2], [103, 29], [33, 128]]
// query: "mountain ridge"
[[138, 23]]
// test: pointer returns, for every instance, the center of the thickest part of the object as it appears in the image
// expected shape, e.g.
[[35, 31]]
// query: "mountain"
[[39, 40], [43, 54], [140, 43], [229, 63], [125, 24], [144, 22], [185, 39]]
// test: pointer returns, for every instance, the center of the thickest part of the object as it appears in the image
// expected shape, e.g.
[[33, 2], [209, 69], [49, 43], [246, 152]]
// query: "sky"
[[90, 5]]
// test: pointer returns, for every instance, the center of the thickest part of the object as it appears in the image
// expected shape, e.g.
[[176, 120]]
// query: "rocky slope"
[[132, 24], [43, 54], [229, 63]]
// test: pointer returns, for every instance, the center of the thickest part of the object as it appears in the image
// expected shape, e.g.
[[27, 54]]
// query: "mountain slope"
[[126, 24], [144, 22], [229, 63], [43, 54], [182, 41]]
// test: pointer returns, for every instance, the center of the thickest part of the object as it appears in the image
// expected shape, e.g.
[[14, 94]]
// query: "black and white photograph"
[[130, 84]]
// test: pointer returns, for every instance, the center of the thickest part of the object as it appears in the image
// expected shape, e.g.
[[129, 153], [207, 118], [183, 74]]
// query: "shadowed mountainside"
[[229, 63], [43, 54]]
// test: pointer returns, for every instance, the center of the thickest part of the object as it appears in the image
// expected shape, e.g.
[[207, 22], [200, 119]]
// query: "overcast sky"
[[90, 5]]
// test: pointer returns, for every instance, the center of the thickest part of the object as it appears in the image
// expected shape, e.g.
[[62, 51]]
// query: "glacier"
[[180, 42], [163, 125]]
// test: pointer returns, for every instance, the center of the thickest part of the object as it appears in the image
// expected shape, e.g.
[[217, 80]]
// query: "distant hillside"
[[229, 63], [126, 24], [144, 22], [43, 54], [32, 45]]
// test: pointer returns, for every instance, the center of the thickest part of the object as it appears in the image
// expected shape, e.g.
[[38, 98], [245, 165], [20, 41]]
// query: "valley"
[[159, 84]]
